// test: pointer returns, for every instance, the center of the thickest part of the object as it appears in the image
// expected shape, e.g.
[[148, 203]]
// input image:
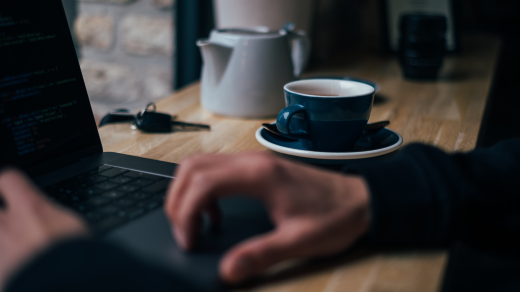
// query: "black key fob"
[[154, 122]]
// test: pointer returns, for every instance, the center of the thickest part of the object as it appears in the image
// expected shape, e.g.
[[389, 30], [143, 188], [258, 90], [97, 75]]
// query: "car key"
[[184, 125], [154, 122]]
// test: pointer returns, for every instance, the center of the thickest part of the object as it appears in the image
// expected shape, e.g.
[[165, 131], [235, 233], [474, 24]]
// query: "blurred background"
[[136, 51], [126, 50]]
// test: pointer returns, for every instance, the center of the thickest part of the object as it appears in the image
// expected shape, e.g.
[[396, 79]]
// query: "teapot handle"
[[301, 45]]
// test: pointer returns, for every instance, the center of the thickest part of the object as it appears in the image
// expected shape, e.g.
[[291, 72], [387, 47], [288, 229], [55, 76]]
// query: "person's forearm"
[[425, 196], [89, 265]]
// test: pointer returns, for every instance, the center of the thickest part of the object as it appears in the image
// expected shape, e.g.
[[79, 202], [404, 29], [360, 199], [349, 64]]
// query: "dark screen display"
[[45, 112]]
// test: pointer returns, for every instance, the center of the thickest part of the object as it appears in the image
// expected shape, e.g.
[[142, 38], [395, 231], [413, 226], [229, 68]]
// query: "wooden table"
[[446, 113]]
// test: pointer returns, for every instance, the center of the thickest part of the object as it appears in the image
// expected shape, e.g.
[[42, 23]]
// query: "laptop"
[[47, 128]]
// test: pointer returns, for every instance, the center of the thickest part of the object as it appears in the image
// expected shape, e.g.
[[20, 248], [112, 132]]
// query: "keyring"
[[145, 109]]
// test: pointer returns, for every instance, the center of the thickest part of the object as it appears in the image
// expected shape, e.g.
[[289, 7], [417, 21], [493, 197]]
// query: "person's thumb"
[[256, 255], [17, 190]]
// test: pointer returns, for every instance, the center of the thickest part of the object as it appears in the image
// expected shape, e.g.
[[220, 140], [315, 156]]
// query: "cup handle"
[[284, 120]]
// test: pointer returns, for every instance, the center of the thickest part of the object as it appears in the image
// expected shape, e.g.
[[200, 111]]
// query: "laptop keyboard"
[[109, 197]]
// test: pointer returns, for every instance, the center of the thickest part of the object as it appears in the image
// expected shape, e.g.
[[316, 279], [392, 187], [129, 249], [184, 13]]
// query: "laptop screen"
[[45, 112]]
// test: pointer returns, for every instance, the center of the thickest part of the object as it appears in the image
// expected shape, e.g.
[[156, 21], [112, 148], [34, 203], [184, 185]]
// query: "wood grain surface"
[[446, 113]]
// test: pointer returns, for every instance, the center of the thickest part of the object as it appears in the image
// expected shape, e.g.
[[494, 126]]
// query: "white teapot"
[[245, 70]]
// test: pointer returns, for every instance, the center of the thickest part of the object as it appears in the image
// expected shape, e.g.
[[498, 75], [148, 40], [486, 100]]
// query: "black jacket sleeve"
[[88, 265], [425, 196]]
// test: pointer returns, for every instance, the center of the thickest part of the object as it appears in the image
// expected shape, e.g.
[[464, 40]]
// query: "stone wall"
[[126, 49]]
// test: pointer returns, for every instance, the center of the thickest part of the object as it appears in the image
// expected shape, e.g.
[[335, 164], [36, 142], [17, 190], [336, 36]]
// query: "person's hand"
[[29, 223], [316, 213]]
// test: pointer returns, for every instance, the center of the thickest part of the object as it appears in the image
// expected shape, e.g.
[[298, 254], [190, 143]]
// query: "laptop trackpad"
[[150, 238]]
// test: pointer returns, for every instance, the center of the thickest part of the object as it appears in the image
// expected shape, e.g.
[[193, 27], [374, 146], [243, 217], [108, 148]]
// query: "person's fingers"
[[202, 186], [183, 239], [183, 177], [201, 163], [4, 225], [3, 219], [17, 190], [206, 187], [257, 254]]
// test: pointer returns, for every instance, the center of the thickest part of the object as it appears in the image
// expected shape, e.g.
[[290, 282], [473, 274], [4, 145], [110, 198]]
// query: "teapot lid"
[[259, 33]]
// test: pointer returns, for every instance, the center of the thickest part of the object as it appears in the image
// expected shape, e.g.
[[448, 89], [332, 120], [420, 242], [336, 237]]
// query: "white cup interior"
[[329, 88]]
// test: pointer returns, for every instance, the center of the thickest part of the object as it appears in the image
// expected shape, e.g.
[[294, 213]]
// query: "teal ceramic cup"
[[327, 115]]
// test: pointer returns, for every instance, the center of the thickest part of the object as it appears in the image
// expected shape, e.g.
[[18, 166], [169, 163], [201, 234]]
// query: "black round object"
[[422, 45]]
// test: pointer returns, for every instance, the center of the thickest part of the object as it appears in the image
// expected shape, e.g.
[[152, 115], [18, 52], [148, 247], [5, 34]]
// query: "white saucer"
[[383, 142]]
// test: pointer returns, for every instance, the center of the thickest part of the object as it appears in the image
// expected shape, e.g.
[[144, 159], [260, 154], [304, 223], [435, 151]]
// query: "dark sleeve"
[[425, 196], [88, 265]]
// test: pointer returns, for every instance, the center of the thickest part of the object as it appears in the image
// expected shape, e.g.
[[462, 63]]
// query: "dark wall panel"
[[193, 20]]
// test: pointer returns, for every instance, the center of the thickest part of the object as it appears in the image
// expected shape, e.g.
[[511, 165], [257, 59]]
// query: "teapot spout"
[[216, 58]]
